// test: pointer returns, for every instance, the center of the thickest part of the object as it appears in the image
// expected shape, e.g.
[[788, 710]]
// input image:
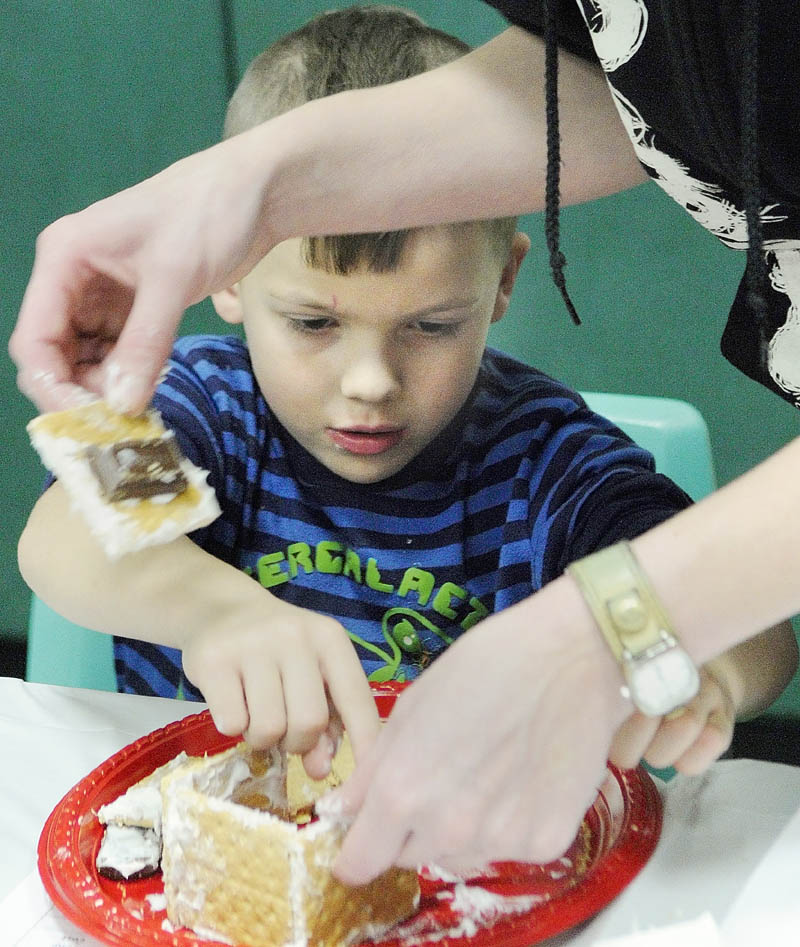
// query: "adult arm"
[[265, 667], [511, 774], [467, 140]]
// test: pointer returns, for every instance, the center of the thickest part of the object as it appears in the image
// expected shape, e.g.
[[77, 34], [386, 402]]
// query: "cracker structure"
[[254, 876], [125, 509], [131, 845]]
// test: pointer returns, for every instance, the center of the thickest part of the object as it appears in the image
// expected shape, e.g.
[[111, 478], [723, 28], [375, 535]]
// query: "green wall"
[[100, 93]]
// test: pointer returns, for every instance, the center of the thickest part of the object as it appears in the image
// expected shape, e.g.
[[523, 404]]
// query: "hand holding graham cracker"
[[125, 475]]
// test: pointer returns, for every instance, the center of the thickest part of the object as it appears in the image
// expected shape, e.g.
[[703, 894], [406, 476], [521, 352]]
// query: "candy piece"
[[138, 469]]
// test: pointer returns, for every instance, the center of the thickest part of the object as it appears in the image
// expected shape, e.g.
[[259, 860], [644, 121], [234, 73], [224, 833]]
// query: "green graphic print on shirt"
[[445, 604]]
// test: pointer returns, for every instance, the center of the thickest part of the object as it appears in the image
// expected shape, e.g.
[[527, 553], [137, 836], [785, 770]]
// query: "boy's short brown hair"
[[355, 48]]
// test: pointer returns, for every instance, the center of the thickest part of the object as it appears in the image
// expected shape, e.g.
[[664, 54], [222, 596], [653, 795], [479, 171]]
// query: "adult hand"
[[690, 738], [109, 284], [495, 752]]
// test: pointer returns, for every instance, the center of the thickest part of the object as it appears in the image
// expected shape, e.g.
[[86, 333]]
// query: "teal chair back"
[[60, 652], [673, 431]]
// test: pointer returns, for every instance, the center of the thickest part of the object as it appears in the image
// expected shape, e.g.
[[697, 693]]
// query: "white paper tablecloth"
[[722, 849]]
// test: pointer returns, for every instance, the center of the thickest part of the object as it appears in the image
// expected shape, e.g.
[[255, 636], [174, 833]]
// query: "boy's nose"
[[370, 377]]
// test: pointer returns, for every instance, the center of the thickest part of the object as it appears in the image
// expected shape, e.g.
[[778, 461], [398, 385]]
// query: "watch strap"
[[621, 600]]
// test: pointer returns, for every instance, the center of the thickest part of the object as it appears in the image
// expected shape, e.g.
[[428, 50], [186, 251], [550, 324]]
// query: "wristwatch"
[[659, 674]]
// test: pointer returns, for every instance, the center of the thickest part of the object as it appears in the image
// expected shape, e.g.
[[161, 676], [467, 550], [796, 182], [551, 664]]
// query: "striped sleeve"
[[597, 488]]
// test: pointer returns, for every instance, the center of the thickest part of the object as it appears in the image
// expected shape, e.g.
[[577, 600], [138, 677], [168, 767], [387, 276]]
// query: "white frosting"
[[297, 880], [474, 908], [129, 849], [139, 806], [484, 906], [141, 803], [330, 808], [110, 523], [157, 901]]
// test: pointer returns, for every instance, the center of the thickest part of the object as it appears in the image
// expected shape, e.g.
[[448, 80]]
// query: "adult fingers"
[[711, 707], [136, 361], [360, 859], [673, 738], [39, 344], [40, 385]]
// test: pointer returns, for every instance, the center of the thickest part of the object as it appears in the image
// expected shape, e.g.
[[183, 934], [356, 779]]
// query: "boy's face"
[[364, 370]]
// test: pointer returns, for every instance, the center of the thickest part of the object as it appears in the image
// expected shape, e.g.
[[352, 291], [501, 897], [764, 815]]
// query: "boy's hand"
[[690, 738], [281, 673]]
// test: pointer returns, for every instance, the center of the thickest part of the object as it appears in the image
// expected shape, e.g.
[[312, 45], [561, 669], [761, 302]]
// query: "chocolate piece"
[[138, 469]]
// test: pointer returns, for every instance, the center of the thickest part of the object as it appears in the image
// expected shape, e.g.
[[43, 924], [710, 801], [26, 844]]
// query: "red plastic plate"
[[513, 904]]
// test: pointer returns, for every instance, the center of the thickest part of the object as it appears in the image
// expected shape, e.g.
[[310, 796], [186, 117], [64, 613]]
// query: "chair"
[[673, 431], [60, 652]]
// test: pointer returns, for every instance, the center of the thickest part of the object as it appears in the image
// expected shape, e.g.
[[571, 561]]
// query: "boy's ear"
[[228, 304], [517, 253]]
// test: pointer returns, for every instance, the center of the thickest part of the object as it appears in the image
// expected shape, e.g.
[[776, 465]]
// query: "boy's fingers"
[[317, 762], [632, 740], [350, 694], [266, 705], [308, 712], [224, 695]]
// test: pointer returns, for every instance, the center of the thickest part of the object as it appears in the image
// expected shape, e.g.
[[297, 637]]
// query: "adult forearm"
[[463, 141], [720, 567]]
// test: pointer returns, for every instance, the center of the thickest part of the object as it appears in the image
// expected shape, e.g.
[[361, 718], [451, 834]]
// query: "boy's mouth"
[[365, 440]]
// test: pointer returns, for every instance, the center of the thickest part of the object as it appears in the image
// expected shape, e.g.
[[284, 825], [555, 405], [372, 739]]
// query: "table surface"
[[717, 827]]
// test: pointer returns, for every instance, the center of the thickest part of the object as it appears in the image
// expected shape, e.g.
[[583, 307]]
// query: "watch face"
[[662, 682]]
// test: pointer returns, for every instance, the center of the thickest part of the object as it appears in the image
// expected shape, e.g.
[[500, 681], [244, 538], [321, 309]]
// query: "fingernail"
[[70, 395], [220, 725], [41, 379], [80, 396], [326, 747], [121, 387]]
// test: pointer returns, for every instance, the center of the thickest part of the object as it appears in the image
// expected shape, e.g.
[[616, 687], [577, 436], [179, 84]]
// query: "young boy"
[[385, 480]]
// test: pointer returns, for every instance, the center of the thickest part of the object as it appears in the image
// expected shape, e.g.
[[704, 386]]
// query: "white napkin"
[[700, 932], [767, 910], [28, 918]]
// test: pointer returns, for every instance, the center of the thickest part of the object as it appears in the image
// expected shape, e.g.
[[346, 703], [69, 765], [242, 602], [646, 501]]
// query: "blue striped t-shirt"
[[523, 481]]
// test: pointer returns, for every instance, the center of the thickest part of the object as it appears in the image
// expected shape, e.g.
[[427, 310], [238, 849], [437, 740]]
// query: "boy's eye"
[[316, 324], [438, 328]]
